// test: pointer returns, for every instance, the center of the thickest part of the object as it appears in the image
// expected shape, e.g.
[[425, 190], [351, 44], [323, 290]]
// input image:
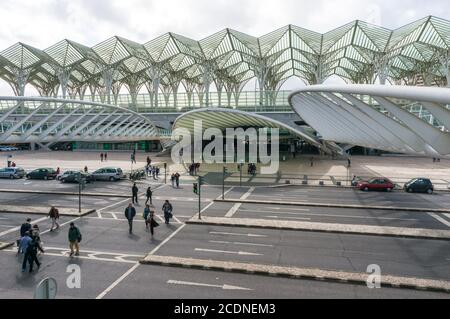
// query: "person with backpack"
[[149, 196], [74, 240], [54, 215], [167, 209], [130, 213]]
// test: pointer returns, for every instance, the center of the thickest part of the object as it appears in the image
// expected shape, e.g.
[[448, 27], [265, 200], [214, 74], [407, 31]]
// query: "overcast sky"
[[42, 23]]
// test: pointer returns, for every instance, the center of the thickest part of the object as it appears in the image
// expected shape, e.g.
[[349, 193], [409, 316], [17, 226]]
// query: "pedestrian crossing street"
[[119, 216]]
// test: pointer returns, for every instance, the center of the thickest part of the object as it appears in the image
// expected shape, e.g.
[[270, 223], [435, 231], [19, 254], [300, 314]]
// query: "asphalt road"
[[109, 253], [396, 256]]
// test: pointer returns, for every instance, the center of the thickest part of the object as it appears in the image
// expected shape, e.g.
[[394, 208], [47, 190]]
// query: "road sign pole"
[[223, 183], [165, 173], [199, 197], [79, 196]]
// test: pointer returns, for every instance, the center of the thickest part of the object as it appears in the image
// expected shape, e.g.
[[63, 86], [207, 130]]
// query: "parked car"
[[108, 174], [61, 175], [8, 149], [12, 172], [376, 184], [419, 185], [72, 177], [42, 173]]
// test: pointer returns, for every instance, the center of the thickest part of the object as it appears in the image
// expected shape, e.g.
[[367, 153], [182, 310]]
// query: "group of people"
[[152, 171], [251, 169], [104, 157], [175, 179], [149, 216], [29, 244], [194, 168]]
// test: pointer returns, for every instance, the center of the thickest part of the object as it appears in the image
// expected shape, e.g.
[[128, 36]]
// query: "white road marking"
[[241, 253], [176, 219], [237, 234], [167, 239], [296, 218], [226, 193], [236, 207], [296, 209], [440, 219], [238, 243], [18, 228], [7, 226], [331, 215], [224, 287], [447, 215], [118, 281]]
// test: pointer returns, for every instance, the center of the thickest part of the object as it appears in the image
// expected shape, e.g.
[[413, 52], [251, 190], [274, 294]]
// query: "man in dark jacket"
[[135, 191], [31, 255], [130, 213], [149, 196], [25, 227], [74, 240], [167, 209]]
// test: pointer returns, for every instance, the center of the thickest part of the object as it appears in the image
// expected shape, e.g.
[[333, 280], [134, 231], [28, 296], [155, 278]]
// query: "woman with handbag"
[[152, 221]]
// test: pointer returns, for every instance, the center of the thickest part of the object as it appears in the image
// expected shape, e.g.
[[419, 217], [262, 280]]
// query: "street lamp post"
[[223, 182]]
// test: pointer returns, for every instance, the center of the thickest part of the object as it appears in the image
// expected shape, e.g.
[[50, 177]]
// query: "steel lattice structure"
[[343, 114], [418, 53], [48, 120]]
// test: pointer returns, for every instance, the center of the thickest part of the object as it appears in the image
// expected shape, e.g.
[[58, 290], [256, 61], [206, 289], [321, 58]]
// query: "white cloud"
[[42, 23]]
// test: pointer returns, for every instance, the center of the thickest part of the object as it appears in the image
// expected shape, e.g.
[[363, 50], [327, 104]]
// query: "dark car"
[[376, 184], [73, 177], [419, 185], [42, 173]]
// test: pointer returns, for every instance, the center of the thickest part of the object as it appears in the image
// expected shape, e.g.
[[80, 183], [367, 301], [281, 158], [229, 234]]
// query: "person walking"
[[149, 196], [149, 161], [135, 191], [153, 223], [54, 215], [86, 169], [24, 229], [23, 244], [74, 240], [106, 157], [349, 163], [177, 179], [101, 157], [130, 213], [167, 209], [146, 215], [31, 255], [172, 179]]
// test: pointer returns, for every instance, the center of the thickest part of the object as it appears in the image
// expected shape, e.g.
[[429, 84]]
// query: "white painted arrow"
[[242, 253], [236, 234], [224, 287]]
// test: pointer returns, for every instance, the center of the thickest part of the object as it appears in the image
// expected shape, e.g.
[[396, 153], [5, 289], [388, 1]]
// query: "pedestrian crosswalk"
[[119, 216]]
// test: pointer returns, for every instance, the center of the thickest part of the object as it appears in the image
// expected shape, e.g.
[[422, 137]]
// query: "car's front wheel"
[[45, 178], [11, 177], [112, 179], [366, 189], [430, 191], [389, 190]]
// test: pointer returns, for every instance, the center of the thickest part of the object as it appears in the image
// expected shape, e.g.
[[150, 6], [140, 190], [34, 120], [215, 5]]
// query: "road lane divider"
[[351, 229], [342, 277]]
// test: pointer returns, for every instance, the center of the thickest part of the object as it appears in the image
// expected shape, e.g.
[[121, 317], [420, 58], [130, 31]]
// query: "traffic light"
[[195, 188]]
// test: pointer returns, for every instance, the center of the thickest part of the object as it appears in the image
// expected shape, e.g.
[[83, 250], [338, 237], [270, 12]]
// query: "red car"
[[376, 184]]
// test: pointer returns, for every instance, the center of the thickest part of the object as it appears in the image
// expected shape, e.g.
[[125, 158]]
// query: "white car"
[[8, 149]]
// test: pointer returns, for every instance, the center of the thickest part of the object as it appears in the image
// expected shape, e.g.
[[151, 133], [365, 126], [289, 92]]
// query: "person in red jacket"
[[54, 215]]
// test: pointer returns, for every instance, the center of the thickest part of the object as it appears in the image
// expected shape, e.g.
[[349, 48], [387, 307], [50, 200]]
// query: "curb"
[[390, 208], [5, 245], [413, 233], [23, 212], [298, 273], [63, 193]]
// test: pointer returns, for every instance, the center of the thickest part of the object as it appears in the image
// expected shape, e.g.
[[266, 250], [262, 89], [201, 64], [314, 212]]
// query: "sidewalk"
[[69, 212]]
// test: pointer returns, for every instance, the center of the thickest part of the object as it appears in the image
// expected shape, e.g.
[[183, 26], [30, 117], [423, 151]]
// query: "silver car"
[[108, 174], [12, 172]]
